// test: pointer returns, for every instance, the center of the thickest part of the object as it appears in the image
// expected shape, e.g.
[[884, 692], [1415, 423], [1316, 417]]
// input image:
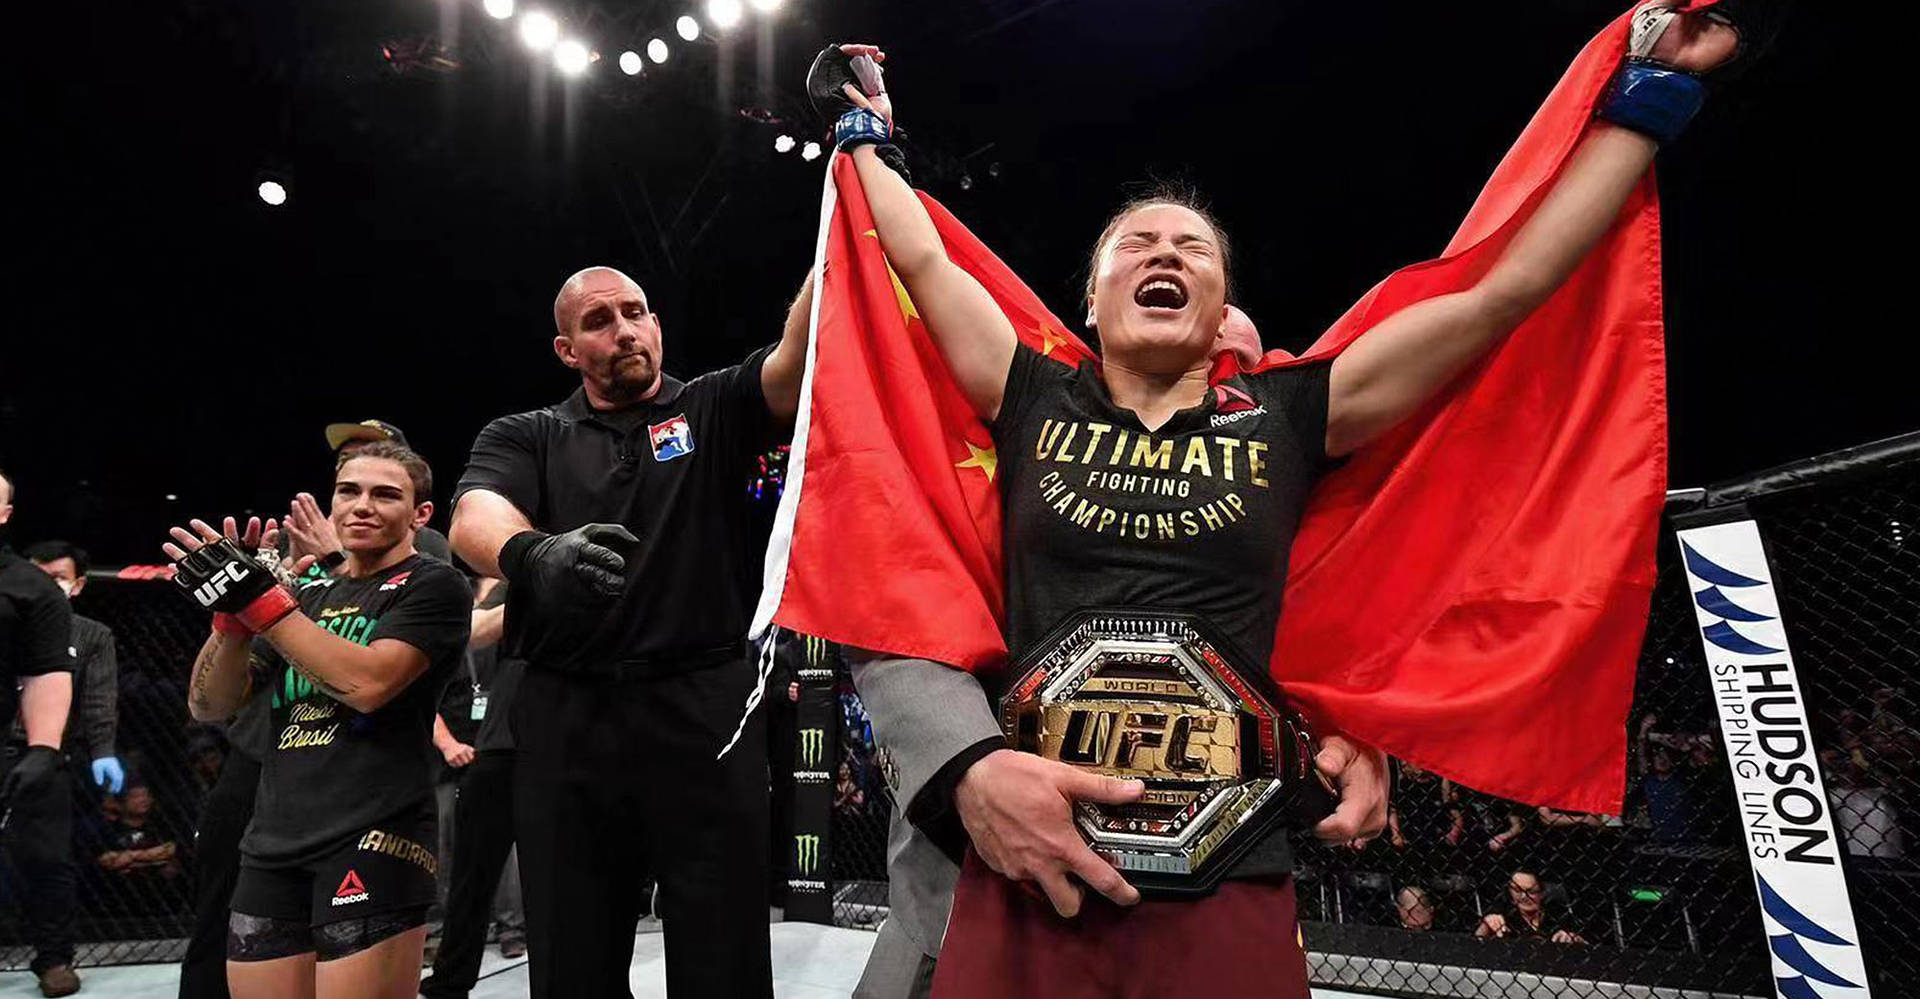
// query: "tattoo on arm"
[[203, 668], [327, 687]]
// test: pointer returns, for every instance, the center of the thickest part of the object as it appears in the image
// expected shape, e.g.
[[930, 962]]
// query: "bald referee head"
[[605, 330]]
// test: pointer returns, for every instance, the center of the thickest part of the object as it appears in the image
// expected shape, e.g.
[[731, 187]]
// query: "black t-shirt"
[[1197, 515], [331, 772], [36, 622], [673, 470], [249, 732]]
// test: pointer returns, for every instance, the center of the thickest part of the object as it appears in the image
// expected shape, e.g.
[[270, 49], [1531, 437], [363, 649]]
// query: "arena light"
[[630, 63], [499, 9], [657, 51], [688, 26], [810, 151], [571, 57], [765, 6], [272, 192], [783, 144], [725, 13], [539, 30]]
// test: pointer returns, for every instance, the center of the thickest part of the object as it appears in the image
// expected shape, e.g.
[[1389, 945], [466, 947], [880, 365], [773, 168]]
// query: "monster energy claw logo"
[[806, 853], [813, 743]]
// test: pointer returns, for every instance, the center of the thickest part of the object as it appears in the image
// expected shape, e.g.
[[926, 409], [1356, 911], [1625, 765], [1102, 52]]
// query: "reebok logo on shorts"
[[350, 890]]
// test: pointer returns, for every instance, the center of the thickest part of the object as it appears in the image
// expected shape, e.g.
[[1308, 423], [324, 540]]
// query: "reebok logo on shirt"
[[1231, 404], [350, 890]]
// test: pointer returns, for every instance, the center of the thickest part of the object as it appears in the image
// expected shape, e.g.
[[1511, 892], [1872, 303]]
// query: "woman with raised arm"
[[1241, 455]]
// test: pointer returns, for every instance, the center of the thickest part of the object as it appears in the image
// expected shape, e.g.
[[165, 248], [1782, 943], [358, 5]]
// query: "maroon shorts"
[[1003, 940]]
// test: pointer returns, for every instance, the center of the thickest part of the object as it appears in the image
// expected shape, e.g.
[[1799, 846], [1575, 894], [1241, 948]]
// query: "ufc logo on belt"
[[1167, 743], [216, 585]]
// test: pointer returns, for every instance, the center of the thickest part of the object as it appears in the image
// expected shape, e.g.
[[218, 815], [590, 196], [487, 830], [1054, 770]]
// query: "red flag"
[[1468, 592]]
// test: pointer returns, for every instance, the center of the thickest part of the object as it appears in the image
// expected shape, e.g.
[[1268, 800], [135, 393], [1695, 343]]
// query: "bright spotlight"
[[500, 9], [810, 151], [765, 6], [783, 144], [630, 63], [657, 51], [688, 26], [272, 193], [725, 13], [539, 30], [571, 57]]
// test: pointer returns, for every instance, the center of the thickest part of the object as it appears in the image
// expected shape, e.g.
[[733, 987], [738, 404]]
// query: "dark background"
[[171, 334]]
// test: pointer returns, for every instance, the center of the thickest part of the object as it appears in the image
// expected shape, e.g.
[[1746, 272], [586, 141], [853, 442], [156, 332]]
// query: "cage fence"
[[1465, 895]]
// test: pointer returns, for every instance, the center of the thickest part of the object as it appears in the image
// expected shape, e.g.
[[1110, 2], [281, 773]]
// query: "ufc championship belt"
[[1162, 698]]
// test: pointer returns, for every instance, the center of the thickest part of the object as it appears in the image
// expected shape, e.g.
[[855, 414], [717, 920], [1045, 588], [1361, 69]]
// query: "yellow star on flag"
[[907, 311], [872, 233], [982, 458], [1049, 340]]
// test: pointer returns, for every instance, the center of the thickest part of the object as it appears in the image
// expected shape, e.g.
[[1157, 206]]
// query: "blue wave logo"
[[1714, 602], [1792, 952]]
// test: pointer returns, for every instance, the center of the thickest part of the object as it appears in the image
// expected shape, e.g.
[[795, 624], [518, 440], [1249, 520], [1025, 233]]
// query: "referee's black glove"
[[556, 565], [32, 769]]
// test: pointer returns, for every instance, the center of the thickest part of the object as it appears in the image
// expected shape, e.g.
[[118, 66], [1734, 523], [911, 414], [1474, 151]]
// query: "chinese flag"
[[1468, 592]]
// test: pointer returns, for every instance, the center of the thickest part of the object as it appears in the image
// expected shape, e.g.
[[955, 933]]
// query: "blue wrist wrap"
[[860, 127], [1656, 101]]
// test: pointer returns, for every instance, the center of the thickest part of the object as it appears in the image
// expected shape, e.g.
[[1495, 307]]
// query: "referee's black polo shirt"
[[36, 627], [673, 470]]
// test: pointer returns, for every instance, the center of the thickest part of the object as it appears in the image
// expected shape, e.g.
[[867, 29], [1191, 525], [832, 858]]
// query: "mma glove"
[[33, 768], [583, 561], [853, 125], [242, 593], [1658, 100]]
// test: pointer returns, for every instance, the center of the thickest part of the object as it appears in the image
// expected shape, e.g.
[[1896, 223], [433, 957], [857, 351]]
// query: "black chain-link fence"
[[1470, 895], [1466, 895], [131, 853], [862, 804]]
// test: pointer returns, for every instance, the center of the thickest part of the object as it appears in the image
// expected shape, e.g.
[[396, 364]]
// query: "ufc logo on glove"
[[216, 585]]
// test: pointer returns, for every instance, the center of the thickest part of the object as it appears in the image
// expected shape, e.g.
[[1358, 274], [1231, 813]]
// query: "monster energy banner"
[[1776, 775], [816, 753]]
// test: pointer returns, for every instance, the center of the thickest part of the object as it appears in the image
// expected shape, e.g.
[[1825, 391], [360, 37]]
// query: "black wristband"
[[331, 560], [932, 811], [895, 160], [513, 554]]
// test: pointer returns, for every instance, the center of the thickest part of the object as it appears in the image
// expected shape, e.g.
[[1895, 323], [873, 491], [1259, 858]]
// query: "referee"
[[619, 517]]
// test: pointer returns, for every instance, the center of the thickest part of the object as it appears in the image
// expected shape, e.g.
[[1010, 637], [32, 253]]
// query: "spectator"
[[1415, 908], [1489, 821], [1669, 796], [137, 843], [1526, 915], [1425, 810], [848, 798]]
